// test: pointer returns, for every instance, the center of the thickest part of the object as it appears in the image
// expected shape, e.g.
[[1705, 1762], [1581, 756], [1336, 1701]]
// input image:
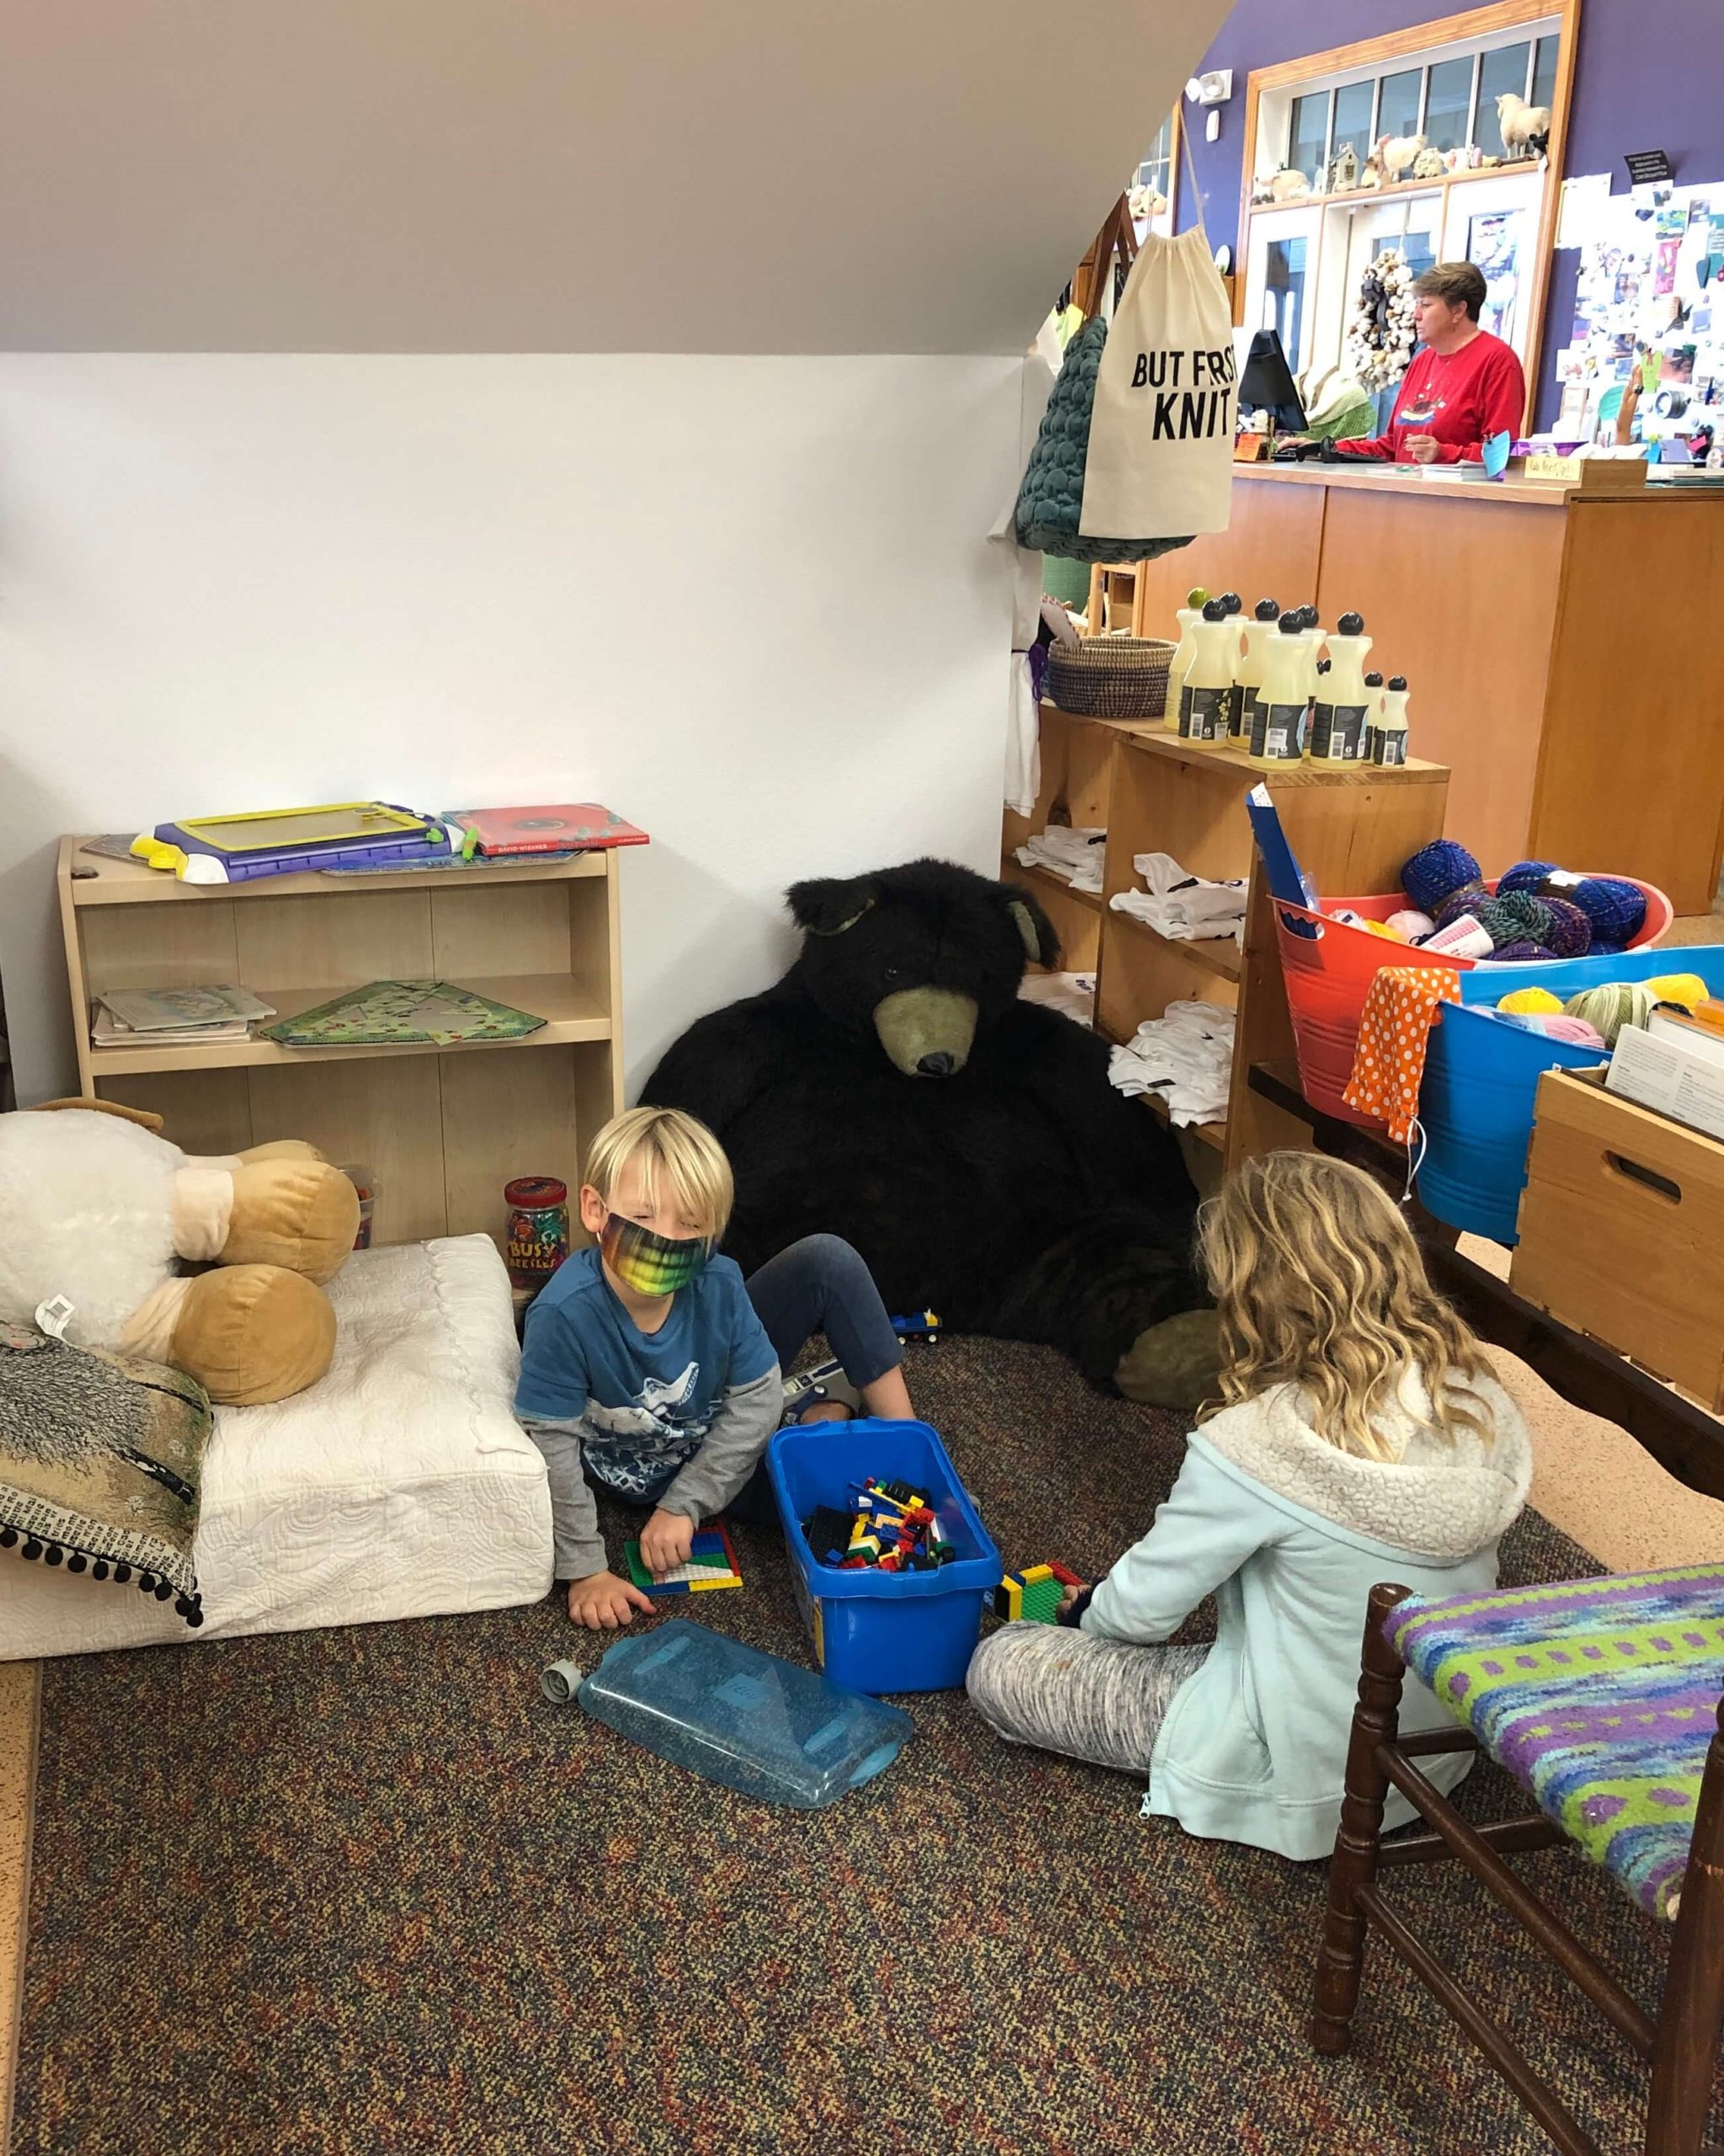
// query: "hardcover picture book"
[[570, 827]]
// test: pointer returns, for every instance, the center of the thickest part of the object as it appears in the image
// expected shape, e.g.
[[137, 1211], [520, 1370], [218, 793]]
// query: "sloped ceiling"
[[843, 176]]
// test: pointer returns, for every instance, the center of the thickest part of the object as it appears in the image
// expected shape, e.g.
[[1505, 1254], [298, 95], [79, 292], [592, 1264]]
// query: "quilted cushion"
[[398, 1485]]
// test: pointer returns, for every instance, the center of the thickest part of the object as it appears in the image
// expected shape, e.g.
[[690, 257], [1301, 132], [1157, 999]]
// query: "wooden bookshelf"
[[442, 1128], [1352, 827]]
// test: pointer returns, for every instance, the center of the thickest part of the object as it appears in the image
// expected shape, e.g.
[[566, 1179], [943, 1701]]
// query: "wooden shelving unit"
[[1352, 827], [443, 1128], [1077, 779]]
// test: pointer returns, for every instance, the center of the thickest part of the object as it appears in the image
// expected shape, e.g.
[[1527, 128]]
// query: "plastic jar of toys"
[[365, 1183], [538, 1233]]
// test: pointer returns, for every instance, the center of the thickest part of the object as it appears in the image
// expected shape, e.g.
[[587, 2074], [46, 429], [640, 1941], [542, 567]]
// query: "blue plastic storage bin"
[[883, 1631], [1475, 1101], [752, 1721]]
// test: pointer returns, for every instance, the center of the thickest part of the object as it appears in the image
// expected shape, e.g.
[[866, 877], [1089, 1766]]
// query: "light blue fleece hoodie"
[[1290, 1535]]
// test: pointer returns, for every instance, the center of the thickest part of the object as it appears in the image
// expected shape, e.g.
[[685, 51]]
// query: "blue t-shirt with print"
[[647, 1399]]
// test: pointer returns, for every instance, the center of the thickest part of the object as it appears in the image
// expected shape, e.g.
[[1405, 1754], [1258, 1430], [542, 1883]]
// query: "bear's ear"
[[826, 905], [1039, 941]]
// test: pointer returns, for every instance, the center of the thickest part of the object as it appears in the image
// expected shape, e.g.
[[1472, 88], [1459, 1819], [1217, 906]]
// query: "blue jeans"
[[817, 1286]]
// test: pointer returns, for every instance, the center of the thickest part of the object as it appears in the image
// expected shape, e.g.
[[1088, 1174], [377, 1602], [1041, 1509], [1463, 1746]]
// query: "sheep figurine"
[[1429, 165], [1398, 152], [1525, 128], [1371, 174], [1145, 202], [1287, 185]]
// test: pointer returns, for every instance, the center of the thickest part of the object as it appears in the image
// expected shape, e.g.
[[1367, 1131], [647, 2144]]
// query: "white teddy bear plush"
[[101, 1210]]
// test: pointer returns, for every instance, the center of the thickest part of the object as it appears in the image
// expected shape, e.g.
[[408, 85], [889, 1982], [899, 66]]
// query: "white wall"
[[565, 175], [746, 602]]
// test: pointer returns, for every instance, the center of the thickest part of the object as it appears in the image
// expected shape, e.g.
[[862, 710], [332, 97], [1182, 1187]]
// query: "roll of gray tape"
[[559, 1682]]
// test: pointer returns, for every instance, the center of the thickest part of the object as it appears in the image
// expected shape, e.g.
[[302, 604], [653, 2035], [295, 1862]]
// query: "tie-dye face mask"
[[649, 1263]]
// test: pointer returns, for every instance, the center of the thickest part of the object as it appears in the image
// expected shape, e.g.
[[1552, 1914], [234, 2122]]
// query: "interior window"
[[1283, 293], [1353, 119], [1449, 103], [1504, 69], [1545, 72], [1398, 107], [1308, 147]]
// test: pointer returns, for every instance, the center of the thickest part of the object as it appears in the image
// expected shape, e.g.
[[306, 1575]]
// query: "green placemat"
[[390, 1013]]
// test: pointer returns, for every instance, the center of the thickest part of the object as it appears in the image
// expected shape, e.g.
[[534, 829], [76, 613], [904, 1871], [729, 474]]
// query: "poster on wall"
[[1493, 248]]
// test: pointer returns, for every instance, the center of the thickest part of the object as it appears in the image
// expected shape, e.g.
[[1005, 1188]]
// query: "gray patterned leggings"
[[1063, 1690]]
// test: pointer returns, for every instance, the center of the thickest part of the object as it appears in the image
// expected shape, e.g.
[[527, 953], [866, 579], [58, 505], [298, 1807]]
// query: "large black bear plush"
[[893, 1088]]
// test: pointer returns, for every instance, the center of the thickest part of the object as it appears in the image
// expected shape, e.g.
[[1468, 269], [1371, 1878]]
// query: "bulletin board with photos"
[[1647, 301]]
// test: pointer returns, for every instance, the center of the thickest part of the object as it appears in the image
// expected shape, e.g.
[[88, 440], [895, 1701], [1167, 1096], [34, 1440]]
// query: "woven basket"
[[1111, 677]]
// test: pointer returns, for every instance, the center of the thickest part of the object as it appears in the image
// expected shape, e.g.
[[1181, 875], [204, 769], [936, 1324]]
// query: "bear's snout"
[[926, 1032]]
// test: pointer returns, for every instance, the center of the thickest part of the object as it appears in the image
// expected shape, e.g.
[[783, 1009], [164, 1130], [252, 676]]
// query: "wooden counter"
[[1549, 636]]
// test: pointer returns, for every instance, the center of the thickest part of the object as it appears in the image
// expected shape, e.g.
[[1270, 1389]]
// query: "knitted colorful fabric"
[[1599, 1696], [1393, 1032]]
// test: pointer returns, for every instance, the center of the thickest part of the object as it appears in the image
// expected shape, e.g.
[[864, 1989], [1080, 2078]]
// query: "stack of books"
[[173, 1017]]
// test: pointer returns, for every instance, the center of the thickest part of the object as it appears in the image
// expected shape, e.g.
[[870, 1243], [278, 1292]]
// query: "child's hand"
[[666, 1540], [601, 1601], [1071, 1596]]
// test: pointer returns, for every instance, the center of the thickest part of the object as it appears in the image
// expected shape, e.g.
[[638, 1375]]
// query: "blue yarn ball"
[[1524, 949], [1435, 872], [1616, 909], [1527, 876]]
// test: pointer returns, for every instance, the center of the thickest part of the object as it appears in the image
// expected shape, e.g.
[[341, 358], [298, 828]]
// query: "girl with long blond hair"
[[1359, 1436]]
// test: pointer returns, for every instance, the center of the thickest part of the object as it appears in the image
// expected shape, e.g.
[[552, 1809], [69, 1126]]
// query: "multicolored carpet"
[[363, 1892]]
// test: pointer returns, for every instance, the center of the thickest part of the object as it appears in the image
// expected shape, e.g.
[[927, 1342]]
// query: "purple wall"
[[1645, 78]]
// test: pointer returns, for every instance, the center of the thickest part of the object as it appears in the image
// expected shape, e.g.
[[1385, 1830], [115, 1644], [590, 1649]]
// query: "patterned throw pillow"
[[101, 1465]]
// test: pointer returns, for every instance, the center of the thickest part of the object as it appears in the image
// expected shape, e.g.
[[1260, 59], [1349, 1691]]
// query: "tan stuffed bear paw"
[[252, 1333]]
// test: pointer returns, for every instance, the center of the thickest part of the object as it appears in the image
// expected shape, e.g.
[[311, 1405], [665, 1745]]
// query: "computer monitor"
[[1266, 384]]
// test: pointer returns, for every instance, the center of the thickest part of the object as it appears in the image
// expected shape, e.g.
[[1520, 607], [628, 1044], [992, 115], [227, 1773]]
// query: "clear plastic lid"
[[758, 1724]]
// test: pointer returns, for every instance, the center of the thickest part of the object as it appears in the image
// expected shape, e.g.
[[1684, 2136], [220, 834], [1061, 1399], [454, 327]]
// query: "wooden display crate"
[[1622, 1230]]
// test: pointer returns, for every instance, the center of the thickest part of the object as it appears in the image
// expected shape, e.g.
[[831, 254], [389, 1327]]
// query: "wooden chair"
[[1531, 1672]]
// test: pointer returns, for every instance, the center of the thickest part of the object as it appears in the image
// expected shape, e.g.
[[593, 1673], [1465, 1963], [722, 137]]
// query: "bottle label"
[[1322, 732], [1185, 711], [1347, 733], [1391, 745], [1209, 708], [1239, 718], [1275, 730]]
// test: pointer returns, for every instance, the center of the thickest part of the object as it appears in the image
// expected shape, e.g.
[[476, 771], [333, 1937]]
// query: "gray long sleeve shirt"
[[745, 1419]]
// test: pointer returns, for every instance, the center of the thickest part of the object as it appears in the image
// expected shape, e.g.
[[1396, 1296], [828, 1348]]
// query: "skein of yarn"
[[1516, 919], [1569, 933], [1515, 953], [1413, 925], [1615, 908], [1687, 989], [1617, 1004], [1436, 872], [1572, 1033], [1530, 1002]]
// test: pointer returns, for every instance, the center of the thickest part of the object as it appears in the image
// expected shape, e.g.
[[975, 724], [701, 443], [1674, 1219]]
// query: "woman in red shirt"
[[1464, 385]]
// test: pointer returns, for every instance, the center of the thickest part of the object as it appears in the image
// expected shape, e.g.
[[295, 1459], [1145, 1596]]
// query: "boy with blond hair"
[[651, 1371]]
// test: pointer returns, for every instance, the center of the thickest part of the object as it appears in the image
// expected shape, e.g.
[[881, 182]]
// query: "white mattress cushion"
[[401, 1485]]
